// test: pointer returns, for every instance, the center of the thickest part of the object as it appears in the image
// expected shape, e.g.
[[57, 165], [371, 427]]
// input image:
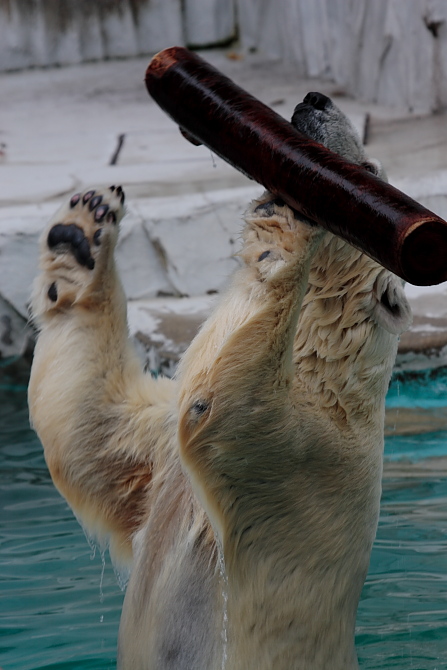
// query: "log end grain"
[[424, 254]]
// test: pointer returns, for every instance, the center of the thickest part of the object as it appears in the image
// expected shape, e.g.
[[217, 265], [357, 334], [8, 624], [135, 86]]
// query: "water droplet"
[[103, 560], [224, 577], [122, 576]]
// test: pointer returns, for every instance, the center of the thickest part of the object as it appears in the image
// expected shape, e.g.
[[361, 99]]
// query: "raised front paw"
[[81, 224], [276, 234], [77, 246]]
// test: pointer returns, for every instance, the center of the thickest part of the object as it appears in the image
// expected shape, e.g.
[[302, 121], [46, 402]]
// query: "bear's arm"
[[102, 423], [101, 420], [236, 377]]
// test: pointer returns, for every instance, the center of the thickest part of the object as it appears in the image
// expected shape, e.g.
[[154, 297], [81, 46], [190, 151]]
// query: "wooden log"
[[370, 214]]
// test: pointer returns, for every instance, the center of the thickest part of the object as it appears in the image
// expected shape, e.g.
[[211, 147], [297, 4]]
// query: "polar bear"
[[243, 495]]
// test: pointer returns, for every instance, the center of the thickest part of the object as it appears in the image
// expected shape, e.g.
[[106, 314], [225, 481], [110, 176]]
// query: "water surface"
[[60, 603]]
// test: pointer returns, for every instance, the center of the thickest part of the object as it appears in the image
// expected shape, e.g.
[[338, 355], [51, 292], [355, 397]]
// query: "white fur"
[[271, 437]]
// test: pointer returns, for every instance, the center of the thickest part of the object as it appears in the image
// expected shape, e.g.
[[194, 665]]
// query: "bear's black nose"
[[316, 100]]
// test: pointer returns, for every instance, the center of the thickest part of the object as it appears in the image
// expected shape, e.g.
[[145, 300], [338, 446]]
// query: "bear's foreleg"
[[235, 379], [98, 416]]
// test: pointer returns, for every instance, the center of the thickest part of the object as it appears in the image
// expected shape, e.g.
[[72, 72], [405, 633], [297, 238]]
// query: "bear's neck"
[[341, 356]]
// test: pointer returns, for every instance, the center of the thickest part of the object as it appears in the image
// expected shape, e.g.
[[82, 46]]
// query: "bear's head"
[[380, 291]]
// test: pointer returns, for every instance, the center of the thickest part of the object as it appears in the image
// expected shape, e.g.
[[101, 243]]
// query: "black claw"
[[101, 212], [87, 196], [266, 208], [52, 292], [279, 202], [94, 202], [96, 237], [111, 217], [75, 199], [120, 193]]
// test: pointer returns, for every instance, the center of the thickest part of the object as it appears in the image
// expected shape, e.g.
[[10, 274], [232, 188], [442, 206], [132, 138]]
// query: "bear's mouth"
[[385, 301], [391, 310]]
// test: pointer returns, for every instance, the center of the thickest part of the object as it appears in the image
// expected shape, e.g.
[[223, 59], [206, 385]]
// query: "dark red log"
[[373, 216]]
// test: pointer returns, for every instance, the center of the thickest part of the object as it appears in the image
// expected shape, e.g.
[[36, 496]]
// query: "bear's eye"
[[370, 167], [200, 407]]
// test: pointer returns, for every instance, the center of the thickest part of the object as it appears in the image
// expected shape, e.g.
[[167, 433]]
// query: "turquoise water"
[[426, 389], [59, 608], [60, 602]]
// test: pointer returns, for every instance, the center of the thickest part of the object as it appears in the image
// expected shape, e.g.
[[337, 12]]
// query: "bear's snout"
[[317, 100]]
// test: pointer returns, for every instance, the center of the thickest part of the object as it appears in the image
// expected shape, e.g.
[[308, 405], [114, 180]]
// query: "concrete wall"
[[66, 32], [392, 52], [389, 51]]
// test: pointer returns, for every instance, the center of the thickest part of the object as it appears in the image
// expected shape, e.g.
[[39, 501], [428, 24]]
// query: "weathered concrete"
[[209, 22], [162, 329], [49, 32], [393, 52], [60, 128]]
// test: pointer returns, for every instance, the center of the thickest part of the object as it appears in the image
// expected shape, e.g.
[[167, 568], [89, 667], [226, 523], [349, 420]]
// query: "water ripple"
[[58, 612]]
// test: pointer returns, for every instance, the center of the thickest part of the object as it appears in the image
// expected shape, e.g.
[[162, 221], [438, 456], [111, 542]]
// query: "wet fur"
[[267, 447]]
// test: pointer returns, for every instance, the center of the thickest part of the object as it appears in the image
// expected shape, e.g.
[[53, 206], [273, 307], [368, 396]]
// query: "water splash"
[[224, 578], [122, 575], [101, 580], [90, 541]]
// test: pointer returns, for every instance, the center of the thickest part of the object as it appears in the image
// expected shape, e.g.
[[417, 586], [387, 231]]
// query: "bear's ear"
[[391, 309]]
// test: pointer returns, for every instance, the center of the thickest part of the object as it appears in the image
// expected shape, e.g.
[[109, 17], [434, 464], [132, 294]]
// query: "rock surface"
[[185, 206]]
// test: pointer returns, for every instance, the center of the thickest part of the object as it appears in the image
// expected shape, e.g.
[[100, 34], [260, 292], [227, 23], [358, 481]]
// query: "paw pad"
[[72, 236], [96, 237], [80, 232]]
